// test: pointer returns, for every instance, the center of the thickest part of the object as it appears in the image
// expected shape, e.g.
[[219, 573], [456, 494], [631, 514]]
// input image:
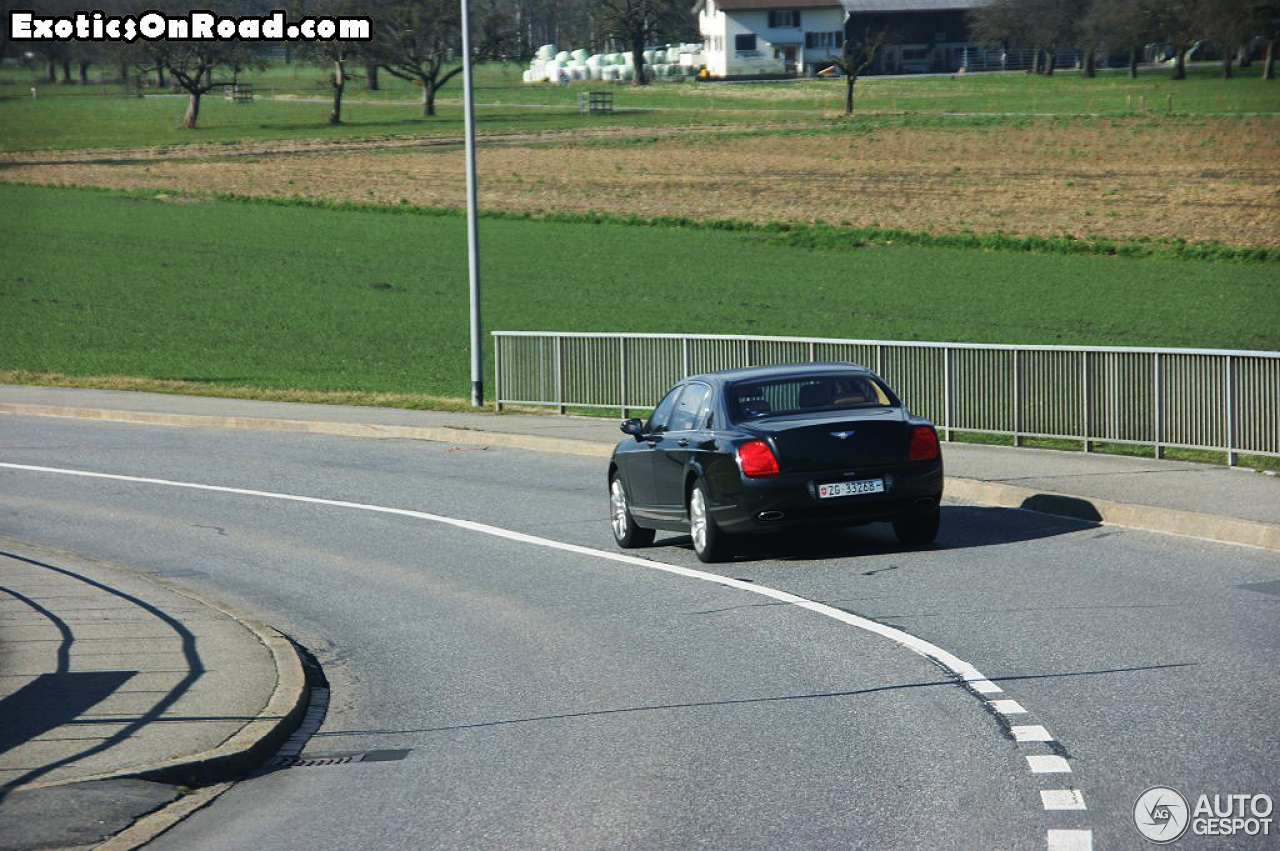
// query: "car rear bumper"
[[778, 502]]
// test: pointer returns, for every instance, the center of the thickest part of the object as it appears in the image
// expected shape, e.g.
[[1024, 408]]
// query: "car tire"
[[710, 542], [625, 531], [918, 529]]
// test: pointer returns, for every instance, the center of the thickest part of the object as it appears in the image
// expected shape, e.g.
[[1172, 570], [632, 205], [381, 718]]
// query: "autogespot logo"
[[1161, 814]]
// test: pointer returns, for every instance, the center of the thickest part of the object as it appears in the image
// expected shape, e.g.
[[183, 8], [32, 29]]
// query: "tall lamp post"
[[469, 118]]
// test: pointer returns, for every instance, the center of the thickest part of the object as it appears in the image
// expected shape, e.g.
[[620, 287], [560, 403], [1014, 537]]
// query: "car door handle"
[[682, 442]]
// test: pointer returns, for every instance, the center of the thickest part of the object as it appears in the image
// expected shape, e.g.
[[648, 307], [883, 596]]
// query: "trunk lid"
[[837, 440]]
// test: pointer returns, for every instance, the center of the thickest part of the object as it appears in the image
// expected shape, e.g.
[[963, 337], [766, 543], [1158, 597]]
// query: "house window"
[[784, 19], [827, 39], [744, 42]]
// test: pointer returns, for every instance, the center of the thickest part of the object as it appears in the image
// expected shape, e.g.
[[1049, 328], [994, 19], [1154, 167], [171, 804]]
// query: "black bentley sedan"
[[771, 448]]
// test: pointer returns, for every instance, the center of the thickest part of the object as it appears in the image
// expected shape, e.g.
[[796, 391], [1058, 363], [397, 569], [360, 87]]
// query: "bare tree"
[[1176, 22], [1269, 11], [336, 55], [636, 23], [1048, 26], [418, 40], [5, 5], [856, 56], [1120, 25], [192, 64], [1231, 25]]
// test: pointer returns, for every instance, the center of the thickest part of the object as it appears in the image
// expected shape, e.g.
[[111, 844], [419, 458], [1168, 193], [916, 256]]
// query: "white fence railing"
[[1226, 401]]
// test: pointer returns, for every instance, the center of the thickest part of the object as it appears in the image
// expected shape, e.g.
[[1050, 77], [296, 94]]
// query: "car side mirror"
[[633, 427]]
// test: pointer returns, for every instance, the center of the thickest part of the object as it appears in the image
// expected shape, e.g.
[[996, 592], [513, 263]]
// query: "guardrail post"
[[622, 374], [1233, 457], [1017, 397], [560, 406], [686, 365], [946, 394], [497, 374], [1084, 400], [1157, 406]]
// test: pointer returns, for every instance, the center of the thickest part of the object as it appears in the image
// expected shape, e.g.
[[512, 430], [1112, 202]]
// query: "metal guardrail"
[[1225, 401]]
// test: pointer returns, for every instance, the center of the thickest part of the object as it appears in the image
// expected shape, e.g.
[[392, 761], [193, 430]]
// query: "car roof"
[[765, 373]]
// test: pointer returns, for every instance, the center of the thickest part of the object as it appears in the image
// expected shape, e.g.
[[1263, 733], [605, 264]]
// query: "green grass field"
[[277, 296], [293, 104]]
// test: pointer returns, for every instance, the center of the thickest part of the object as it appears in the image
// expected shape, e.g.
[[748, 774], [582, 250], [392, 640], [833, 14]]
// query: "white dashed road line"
[[1046, 764], [1031, 733], [1062, 799], [1070, 840], [970, 676]]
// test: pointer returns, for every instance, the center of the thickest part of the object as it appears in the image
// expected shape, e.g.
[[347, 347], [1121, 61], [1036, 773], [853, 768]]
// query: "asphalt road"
[[553, 698]]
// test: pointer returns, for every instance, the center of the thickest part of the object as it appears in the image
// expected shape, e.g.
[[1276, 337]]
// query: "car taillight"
[[924, 444], [757, 459]]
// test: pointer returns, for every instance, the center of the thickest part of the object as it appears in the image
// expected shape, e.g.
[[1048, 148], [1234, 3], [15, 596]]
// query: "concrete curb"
[[1228, 530]]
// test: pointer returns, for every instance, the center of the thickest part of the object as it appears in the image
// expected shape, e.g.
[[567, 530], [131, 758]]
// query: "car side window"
[[692, 407], [661, 416]]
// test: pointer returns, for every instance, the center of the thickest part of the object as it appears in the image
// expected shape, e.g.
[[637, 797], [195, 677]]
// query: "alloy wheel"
[[618, 509], [698, 520]]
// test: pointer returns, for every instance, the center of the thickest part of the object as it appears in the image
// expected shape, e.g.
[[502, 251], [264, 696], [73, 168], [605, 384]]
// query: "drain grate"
[[325, 760]]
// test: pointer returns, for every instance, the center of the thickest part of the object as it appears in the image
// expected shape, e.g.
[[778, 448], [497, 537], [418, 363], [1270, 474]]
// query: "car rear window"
[[800, 394]]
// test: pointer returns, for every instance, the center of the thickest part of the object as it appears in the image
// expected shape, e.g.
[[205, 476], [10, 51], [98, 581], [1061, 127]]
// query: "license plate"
[[850, 488]]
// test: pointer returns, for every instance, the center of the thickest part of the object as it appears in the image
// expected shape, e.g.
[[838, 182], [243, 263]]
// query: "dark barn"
[[923, 36]]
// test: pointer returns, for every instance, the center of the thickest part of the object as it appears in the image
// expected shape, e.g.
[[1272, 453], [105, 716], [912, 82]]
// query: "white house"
[[746, 38]]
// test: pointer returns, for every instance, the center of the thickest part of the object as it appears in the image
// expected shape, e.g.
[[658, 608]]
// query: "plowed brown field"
[[1122, 179]]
